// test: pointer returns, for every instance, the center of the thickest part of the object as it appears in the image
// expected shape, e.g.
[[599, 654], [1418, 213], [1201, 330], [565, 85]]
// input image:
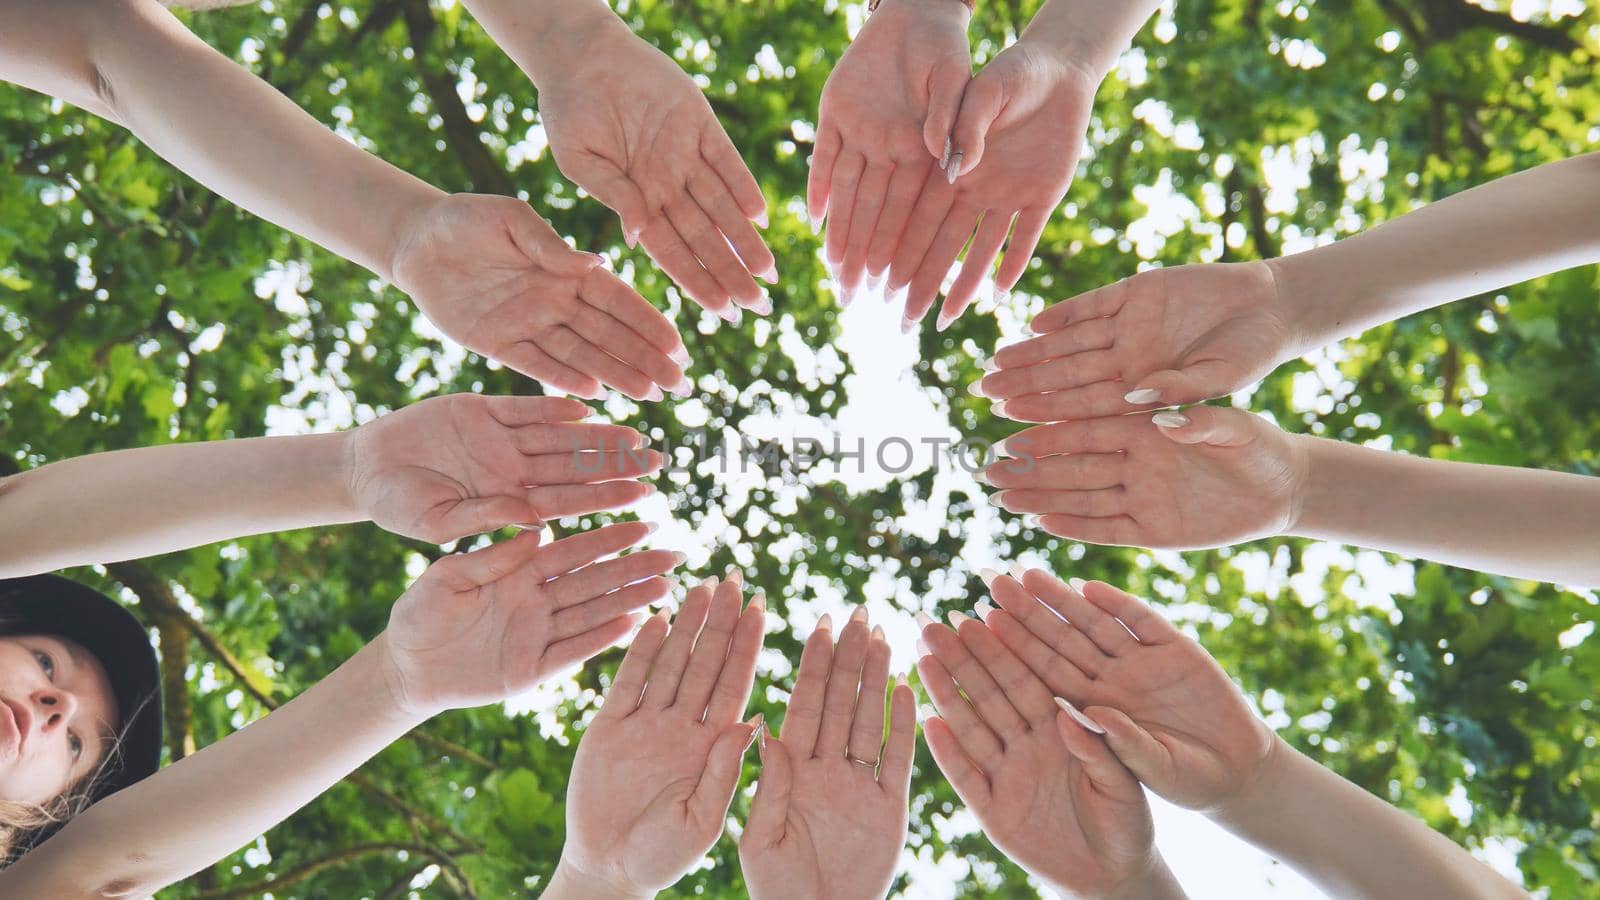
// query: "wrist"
[[570, 881], [329, 461], [961, 8], [1260, 794], [1326, 487], [384, 686], [1079, 37], [564, 37], [1314, 302], [1153, 881]]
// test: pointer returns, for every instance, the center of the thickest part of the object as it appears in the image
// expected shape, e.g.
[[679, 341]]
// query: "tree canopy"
[[138, 308]]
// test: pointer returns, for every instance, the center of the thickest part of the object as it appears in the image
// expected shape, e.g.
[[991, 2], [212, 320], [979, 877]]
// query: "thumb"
[[1213, 425], [1195, 383], [1144, 756], [945, 84], [1099, 762], [981, 104], [721, 776], [479, 515], [612, 186], [769, 809], [535, 238]]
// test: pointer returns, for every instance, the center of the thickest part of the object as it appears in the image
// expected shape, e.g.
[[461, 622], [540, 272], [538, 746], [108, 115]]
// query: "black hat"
[[50, 604]]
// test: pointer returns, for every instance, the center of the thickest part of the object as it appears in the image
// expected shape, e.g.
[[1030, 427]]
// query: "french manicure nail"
[[1077, 584], [988, 576], [923, 649], [859, 614], [983, 608], [756, 722], [989, 365], [1079, 717], [770, 275], [762, 307], [877, 633], [758, 602], [1016, 571], [944, 321], [1033, 521], [998, 408], [982, 477], [1170, 419], [736, 577], [816, 226], [1000, 295], [944, 161], [654, 393], [631, 239], [976, 388], [761, 220], [955, 167], [651, 528], [679, 558], [906, 325], [923, 619], [998, 500], [956, 617], [683, 388], [763, 734], [1142, 395], [900, 681], [825, 623]]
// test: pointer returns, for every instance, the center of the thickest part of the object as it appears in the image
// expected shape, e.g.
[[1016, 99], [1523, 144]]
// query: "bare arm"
[[1089, 33]]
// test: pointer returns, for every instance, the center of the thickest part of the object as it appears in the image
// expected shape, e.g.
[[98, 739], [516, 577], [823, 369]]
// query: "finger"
[[1022, 689], [970, 782], [492, 563], [980, 686], [1107, 633], [839, 704], [981, 104], [1101, 399], [711, 248], [819, 181], [1071, 472], [586, 467], [804, 717], [1019, 251], [980, 260], [598, 610], [1112, 434], [628, 686], [895, 771], [733, 686], [1103, 301], [1079, 337], [864, 216], [904, 187], [1104, 503], [1056, 671], [1105, 772], [526, 358], [1115, 531], [946, 82], [1196, 382], [571, 349], [933, 207], [479, 515], [672, 253], [561, 501], [608, 575], [941, 255], [841, 203], [540, 243], [565, 438], [623, 343], [1060, 374], [718, 205], [1148, 759], [979, 744], [724, 159], [866, 726], [769, 809], [579, 550], [1084, 660], [515, 412], [710, 650], [714, 794], [609, 294], [1147, 625], [662, 689], [612, 186], [1210, 425], [569, 652]]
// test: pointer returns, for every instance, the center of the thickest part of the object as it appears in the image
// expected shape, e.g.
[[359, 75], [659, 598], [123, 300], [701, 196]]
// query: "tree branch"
[[460, 134], [333, 860]]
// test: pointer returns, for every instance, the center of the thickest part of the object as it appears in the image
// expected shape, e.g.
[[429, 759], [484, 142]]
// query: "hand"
[[630, 127], [1049, 794], [829, 817], [886, 115], [1161, 338], [1167, 709], [1015, 146], [495, 278], [1205, 477], [478, 627], [657, 768], [451, 466]]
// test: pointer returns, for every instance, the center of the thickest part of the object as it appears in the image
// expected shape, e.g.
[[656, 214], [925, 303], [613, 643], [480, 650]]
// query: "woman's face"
[[58, 716]]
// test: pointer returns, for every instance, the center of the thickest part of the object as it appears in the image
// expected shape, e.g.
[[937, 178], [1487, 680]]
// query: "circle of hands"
[[1054, 704]]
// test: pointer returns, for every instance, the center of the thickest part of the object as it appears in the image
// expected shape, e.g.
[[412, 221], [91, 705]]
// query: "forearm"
[[568, 883], [1526, 523], [127, 504], [1156, 882], [541, 36], [204, 807], [1349, 842], [237, 135], [1089, 33], [1504, 232]]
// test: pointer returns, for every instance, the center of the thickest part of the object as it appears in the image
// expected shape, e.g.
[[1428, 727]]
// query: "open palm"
[[656, 769], [498, 280], [885, 118], [1221, 477], [447, 467], [1169, 711], [1167, 336]]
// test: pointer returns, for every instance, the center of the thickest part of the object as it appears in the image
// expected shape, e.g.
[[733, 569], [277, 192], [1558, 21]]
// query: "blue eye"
[[46, 663], [76, 743]]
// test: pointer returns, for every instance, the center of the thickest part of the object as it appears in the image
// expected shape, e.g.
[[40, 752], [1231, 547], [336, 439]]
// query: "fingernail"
[[1027, 327], [816, 226], [1077, 584], [736, 577], [764, 734], [956, 617], [1142, 395], [1079, 717], [923, 649], [736, 315], [651, 528], [1000, 295], [1016, 571], [944, 161], [680, 355], [923, 619], [989, 365], [761, 220], [1001, 450], [907, 324], [848, 296], [976, 388], [926, 712], [859, 614], [756, 723], [762, 307], [1032, 521], [650, 490], [1170, 419], [988, 576], [998, 499], [631, 239], [999, 408], [877, 633], [654, 393], [758, 602], [825, 623], [982, 477], [900, 681], [679, 558], [954, 168], [683, 388], [875, 282], [770, 276], [943, 321], [983, 608]]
